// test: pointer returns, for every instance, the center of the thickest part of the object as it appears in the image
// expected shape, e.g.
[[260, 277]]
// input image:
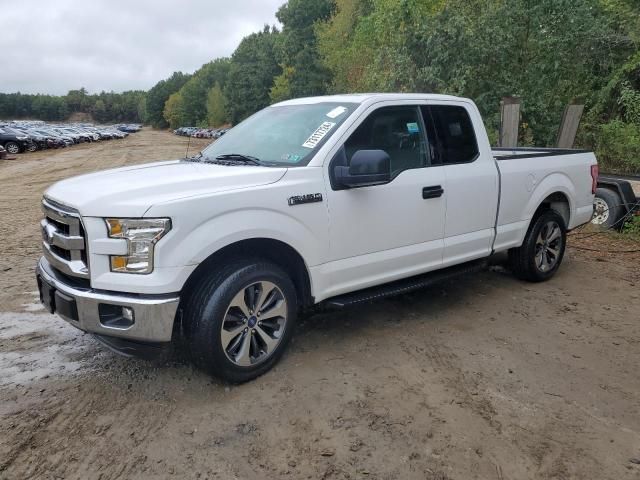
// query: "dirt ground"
[[485, 377]]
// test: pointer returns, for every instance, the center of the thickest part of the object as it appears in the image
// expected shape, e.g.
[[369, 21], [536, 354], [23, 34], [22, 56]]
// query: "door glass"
[[455, 133], [396, 130]]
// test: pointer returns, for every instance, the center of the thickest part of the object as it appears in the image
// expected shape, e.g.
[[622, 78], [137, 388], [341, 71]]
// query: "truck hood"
[[131, 191]]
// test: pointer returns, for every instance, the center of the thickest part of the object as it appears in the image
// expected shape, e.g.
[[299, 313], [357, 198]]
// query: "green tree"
[[251, 74], [158, 95], [216, 107], [343, 46], [195, 90], [99, 111], [77, 100], [297, 47], [281, 89], [174, 110]]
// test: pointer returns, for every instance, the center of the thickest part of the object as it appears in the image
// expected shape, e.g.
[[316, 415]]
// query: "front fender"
[[234, 226]]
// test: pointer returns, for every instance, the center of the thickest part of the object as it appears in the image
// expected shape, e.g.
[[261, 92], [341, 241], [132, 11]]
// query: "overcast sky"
[[53, 46]]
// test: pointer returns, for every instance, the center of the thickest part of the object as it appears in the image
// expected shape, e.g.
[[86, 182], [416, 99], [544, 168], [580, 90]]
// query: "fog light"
[[116, 316], [127, 314]]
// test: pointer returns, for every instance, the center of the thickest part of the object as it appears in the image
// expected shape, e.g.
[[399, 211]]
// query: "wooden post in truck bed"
[[569, 126], [509, 121]]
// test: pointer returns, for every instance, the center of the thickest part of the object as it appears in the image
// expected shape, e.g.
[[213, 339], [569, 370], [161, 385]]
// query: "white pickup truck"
[[332, 200]]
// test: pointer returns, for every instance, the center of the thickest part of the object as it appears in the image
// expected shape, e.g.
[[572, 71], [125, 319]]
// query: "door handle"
[[433, 191]]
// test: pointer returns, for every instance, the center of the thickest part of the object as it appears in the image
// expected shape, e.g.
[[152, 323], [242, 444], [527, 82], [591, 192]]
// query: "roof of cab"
[[365, 97]]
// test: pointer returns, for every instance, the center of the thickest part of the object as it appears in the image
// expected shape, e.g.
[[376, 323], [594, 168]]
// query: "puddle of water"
[[32, 307], [35, 346]]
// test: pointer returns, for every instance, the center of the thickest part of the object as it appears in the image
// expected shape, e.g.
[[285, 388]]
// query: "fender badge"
[[307, 198]]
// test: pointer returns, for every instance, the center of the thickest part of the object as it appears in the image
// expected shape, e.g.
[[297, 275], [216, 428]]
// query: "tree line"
[[548, 52], [105, 107]]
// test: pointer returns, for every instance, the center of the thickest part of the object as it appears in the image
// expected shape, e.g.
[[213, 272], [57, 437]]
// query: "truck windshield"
[[281, 135]]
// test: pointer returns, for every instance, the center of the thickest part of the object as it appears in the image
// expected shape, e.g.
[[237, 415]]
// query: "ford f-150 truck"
[[331, 200]]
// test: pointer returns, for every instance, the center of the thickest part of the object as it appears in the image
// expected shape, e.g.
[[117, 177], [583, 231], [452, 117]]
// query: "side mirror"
[[367, 168]]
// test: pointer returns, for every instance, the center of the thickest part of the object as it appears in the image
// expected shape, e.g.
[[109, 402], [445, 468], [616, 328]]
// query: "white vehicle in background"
[[328, 200]]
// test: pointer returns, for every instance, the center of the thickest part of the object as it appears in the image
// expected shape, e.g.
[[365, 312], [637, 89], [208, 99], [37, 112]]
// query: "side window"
[[456, 138], [396, 130]]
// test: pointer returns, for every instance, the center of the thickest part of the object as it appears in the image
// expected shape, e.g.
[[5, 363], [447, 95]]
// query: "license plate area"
[[57, 302], [47, 295]]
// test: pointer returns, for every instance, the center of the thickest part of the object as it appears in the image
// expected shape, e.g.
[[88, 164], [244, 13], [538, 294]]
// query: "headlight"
[[22, 138], [141, 235]]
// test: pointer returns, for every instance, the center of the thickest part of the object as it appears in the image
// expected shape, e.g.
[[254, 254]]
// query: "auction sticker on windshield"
[[318, 135], [336, 112]]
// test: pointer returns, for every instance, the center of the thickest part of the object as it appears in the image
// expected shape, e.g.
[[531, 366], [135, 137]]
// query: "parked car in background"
[[129, 128], [28, 135], [15, 142], [40, 142]]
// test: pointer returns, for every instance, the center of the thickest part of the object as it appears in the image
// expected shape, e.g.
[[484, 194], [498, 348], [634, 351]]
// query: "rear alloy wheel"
[[548, 245], [541, 253], [12, 147], [32, 147]]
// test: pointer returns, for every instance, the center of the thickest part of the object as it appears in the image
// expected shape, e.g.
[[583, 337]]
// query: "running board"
[[403, 286]]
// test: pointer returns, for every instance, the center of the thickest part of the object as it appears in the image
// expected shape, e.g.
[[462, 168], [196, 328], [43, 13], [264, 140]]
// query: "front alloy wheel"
[[239, 317], [253, 324]]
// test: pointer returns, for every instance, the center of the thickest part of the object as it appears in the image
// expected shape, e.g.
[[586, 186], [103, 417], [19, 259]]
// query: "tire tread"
[[199, 327], [520, 261]]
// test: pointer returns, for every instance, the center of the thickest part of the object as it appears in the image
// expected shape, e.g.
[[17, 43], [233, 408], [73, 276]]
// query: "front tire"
[[542, 251], [239, 320]]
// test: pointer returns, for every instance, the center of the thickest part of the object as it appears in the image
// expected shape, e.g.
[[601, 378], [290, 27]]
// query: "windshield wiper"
[[239, 157]]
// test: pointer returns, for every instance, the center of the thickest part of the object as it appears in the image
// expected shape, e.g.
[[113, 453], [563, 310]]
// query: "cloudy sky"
[[52, 46]]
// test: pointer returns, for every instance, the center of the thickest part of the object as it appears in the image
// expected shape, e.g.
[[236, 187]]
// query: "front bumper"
[[93, 310]]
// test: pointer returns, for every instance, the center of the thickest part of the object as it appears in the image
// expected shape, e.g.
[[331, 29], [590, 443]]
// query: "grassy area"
[[632, 229]]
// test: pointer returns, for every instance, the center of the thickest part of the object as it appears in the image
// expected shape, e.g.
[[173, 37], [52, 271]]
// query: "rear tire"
[[239, 319], [12, 147], [542, 251], [608, 208], [32, 147]]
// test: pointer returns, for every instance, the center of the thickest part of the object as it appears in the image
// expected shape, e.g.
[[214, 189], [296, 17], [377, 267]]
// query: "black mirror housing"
[[367, 168]]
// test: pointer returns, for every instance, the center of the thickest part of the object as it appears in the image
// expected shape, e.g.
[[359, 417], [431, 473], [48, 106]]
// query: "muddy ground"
[[484, 377]]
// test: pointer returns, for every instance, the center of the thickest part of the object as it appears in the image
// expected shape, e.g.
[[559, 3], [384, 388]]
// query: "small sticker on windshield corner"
[[318, 135], [413, 127], [336, 112]]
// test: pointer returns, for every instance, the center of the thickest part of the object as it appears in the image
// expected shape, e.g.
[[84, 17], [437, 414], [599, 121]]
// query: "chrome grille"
[[63, 239]]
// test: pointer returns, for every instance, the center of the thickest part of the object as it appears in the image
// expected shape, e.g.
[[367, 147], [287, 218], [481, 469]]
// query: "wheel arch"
[[554, 192], [559, 202], [275, 251]]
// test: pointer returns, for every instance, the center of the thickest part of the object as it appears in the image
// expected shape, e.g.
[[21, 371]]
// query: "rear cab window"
[[454, 138]]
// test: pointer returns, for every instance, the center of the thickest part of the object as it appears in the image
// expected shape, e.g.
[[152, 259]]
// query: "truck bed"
[[538, 174]]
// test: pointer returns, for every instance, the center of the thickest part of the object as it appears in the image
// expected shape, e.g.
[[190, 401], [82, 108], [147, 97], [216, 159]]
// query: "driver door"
[[384, 232]]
